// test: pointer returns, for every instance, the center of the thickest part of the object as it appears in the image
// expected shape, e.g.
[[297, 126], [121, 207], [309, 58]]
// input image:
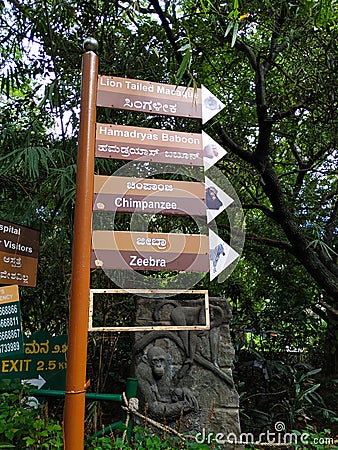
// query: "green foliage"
[[274, 65], [315, 440], [23, 426], [303, 400], [287, 393], [143, 439], [215, 43]]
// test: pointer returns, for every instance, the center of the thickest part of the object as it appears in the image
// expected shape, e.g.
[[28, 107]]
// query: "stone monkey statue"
[[182, 315], [156, 390]]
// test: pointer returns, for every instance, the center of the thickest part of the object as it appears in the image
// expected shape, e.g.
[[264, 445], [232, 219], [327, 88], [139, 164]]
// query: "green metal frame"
[[131, 390]]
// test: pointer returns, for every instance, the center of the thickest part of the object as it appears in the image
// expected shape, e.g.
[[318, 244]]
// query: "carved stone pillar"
[[198, 367]]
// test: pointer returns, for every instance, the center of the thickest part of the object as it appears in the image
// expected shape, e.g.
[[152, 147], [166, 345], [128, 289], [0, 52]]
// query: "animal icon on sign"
[[215, 254]]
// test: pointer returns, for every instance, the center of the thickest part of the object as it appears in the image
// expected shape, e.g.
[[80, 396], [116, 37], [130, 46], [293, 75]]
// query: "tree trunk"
[[330, 364]]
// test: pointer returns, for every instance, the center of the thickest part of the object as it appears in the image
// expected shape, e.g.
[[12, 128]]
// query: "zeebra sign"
[[134, 250], [150, 251]]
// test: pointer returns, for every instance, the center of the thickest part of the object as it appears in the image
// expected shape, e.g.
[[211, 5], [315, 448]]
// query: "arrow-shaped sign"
[[157, 98], [212, 151], [135, 250], [221, 255], [154, 145], [152, 196], [149, 196], [216, 200], [123, 250], [210, 105], [38, 382]]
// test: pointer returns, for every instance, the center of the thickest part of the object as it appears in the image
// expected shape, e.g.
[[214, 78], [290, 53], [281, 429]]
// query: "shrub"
[[23, 425]]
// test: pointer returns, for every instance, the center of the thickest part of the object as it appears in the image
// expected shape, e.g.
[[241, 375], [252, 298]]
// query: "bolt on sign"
[[132, 250], [11, 337], [19, 252], [157, 98], [153, 145], [151, 196], [43, 364]]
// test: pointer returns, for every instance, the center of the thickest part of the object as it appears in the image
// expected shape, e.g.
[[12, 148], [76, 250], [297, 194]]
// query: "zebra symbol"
[[215, 254]]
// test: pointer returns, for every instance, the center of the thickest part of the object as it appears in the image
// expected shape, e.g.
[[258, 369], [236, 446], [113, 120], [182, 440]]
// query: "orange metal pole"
[[74, 409]]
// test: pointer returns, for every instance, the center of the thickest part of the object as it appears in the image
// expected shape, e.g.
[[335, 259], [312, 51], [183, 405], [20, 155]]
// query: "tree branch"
[[267, 211], [167, 29], [319, 312], [242, 47], [231, 145], [279, 115], [328, 307], [331, 225], [275, 48], [312, 260], [282, 245]]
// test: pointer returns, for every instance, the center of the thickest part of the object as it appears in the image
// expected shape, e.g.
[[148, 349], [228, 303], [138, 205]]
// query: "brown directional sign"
[[145, 195], [150, 251], [163, 146], [19, 251], [156, 98]]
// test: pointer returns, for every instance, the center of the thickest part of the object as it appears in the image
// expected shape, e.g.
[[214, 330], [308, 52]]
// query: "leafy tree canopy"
[[273, 63]]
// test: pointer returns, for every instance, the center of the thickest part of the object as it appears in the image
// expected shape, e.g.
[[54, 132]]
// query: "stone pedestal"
[[196, 392]]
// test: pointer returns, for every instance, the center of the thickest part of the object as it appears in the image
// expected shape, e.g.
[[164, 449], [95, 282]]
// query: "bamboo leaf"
[[234, 34], [185, 64], [227, 31]]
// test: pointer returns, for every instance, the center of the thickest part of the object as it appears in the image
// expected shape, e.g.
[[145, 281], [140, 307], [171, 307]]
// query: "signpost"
[[11, 338], [19, 252], [151, 196], [75, 395], [139, 251], [154, 145], [157, 98]]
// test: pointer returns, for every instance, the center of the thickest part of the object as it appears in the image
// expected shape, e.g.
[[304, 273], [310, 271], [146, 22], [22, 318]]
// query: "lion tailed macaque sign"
[[19, 252], [157, 98], [11, 337], [154, 145], [133, 250], [151, 196]]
